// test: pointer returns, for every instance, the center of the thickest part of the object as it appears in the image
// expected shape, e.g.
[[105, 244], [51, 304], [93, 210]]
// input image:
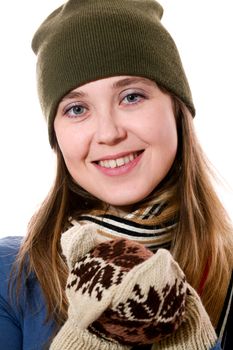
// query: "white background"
[[203, 33]]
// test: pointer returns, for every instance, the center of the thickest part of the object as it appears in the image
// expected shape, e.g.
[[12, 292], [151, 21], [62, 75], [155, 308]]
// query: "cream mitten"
[[119, 293], [83, 308], [196, 331]]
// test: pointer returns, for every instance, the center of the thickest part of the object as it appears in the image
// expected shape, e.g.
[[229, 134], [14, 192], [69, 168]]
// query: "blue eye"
[[75, 111], [133, 98]]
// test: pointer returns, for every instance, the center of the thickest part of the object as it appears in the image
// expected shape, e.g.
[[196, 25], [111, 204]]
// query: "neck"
[[121, 211]]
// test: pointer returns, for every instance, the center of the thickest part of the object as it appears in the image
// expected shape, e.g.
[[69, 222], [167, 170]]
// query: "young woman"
[[120, 120]]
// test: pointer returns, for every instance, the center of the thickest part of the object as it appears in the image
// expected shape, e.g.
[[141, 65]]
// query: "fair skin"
[[118, 137]]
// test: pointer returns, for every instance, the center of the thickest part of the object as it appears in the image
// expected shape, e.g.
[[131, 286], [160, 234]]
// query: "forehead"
[[111, 82]]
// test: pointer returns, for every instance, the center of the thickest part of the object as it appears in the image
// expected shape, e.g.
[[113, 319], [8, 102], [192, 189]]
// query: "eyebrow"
[[134, 80], [73, 94], [116, 85]]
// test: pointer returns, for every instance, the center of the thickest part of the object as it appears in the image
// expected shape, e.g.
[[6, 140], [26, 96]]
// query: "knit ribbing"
[[72, 338]]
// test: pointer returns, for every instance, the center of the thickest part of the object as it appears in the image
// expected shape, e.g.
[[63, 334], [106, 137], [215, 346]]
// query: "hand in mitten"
[[155, 304], [195, 332], [119, 293], [88, 290]]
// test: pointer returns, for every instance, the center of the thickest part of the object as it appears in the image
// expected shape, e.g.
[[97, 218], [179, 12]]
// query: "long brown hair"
[[203, 239]]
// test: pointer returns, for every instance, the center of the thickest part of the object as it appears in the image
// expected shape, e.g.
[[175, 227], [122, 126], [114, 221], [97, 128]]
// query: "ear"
[[78, 241]]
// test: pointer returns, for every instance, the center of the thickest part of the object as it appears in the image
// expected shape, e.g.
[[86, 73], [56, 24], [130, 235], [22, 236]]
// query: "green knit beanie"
[[86, 40]]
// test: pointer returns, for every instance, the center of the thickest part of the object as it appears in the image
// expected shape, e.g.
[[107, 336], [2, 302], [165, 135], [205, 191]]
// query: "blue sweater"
[[22, 326]]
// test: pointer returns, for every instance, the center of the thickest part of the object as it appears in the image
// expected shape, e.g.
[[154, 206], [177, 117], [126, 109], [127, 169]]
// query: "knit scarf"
[[151, 225]]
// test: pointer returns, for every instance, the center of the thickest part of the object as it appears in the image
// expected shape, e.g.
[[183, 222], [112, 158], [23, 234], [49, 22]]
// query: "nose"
[[109, 129]]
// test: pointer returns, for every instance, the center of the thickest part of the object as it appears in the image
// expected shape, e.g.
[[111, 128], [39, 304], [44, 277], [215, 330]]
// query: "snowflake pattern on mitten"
[[145, 313]]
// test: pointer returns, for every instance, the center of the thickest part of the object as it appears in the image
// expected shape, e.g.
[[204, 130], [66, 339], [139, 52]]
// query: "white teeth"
[[114, 163], [120, 161], [126, 160], [131, 157]]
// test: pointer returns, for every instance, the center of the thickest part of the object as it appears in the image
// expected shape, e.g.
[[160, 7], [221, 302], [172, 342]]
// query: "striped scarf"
[[151, 225]]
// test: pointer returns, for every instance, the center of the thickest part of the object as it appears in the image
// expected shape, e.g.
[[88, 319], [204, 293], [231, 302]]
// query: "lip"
[[118, 155], [121, 170]]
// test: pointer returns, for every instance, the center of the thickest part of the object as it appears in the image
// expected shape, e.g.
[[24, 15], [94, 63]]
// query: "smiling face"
[[118, 137]]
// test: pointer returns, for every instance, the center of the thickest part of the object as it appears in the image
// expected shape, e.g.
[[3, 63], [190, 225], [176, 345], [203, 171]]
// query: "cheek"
[[160, 128], [163, 139], [72, 145], [167, 136]]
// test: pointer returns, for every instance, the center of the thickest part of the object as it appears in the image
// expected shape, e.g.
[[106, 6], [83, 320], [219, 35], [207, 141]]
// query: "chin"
[[125, 201]]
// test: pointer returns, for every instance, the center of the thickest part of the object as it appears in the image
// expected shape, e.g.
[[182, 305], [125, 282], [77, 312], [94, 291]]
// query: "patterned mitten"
[[86, 301], [196, 331], [120, 294]]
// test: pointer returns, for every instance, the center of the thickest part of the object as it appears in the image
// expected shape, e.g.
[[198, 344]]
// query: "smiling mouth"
[[118, 162]]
